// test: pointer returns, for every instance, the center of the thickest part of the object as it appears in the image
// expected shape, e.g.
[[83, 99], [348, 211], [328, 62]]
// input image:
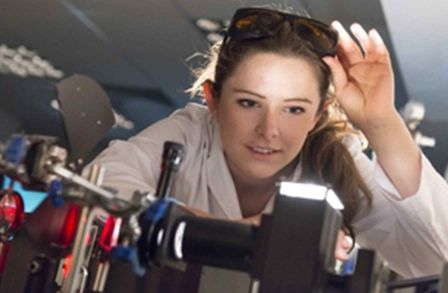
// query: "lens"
[[255, 24], [245, 23], [323, 39]]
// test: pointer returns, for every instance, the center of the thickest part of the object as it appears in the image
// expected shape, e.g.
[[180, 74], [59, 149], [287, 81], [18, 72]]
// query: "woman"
[[272, 115]]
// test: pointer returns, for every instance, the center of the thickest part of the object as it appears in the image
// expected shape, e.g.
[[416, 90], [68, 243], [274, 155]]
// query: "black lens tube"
[[212, 242], [172, 157]]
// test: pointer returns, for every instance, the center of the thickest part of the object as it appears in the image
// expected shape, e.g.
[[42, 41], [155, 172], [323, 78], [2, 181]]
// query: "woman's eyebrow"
[[294, 99], [299, 99], [244, 91]]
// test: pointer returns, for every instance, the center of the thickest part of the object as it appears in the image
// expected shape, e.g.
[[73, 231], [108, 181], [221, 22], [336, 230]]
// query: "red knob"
[[12, 212]]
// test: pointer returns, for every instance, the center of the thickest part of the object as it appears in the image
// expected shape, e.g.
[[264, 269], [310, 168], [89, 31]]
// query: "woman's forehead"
[[275, 74]]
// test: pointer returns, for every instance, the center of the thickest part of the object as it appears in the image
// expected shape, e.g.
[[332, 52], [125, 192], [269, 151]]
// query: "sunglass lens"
[[259, 25], [322, 39]]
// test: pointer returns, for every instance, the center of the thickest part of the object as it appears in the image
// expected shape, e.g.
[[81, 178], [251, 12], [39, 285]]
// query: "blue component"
[[155, 213], [31, 199], [55, 193], [174, 200], [129, 254], [349, 265], [157, 210], [16, 149], [121, 253]]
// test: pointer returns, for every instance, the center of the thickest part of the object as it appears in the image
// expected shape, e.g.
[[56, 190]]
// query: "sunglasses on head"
[[257, 23]]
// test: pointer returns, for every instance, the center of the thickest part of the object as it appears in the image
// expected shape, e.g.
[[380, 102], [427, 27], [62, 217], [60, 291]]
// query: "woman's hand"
[[364, 83], [343, 245], [364, 86]]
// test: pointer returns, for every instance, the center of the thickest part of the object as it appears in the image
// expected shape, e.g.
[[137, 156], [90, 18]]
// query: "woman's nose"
[[267, 125]]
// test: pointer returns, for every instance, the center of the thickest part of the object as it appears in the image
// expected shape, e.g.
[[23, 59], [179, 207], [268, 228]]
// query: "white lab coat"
[[411, 234]]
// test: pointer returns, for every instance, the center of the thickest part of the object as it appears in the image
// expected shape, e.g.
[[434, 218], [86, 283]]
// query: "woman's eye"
[[247, 103], [295, 110]]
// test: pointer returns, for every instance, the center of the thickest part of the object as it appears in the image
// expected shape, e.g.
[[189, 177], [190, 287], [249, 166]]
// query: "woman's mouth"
[[263, 150]]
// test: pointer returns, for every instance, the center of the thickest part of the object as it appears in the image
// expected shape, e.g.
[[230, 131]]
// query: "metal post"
[[443, 283], [72, 283], [254, 286]]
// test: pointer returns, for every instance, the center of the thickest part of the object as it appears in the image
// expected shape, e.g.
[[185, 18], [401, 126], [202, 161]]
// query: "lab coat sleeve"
[[412, 233]]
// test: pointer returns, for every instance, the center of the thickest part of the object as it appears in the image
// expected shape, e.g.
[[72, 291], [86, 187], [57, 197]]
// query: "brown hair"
[[324, 157]]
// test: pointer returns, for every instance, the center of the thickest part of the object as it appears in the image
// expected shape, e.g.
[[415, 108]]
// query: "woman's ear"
[[207, 88]]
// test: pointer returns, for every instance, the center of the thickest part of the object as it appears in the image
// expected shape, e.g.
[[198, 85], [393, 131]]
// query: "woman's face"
[[266, 109]]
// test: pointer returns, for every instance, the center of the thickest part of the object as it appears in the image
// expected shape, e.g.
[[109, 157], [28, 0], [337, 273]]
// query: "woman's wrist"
[[384, 126]]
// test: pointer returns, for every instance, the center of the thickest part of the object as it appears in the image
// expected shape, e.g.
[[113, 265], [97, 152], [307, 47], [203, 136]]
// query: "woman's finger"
[[338, 73], [342, 247], [363, 38], [378, 46], [349, 52]]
